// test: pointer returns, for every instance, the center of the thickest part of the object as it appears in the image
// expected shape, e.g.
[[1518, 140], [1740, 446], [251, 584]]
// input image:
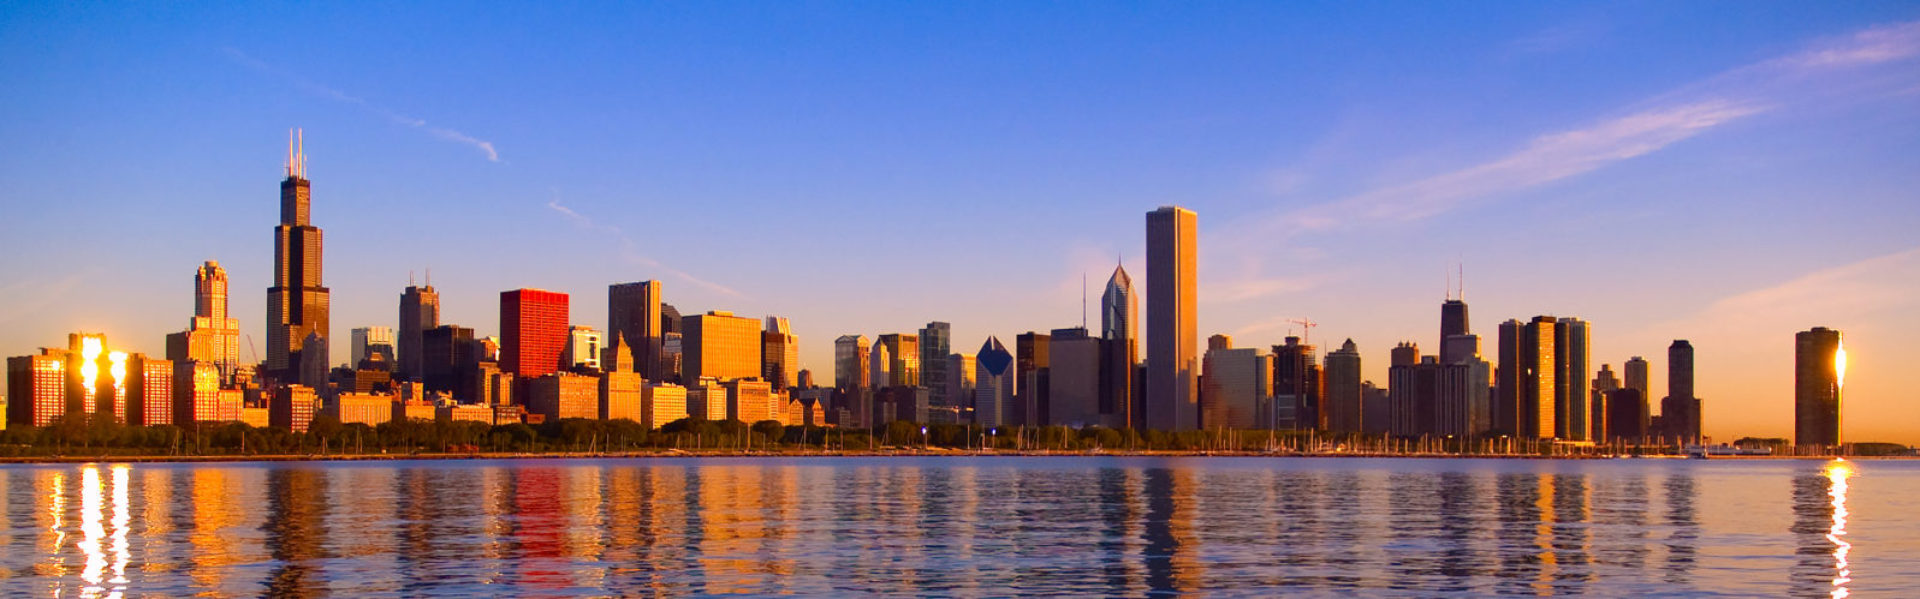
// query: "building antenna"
[[429, 276], [409, 278], [1463, 280], [1083, 300]]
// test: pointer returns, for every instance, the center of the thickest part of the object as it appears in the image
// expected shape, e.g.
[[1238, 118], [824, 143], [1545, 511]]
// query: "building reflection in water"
[[295, 531], [1820, 525], [1169, 553], [1684, 537]]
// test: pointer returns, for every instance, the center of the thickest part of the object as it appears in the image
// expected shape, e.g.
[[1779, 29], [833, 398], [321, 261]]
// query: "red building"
[[533, 331]]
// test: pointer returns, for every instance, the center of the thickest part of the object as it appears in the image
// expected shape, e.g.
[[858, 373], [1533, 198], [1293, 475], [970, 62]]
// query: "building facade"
[[533, 331], [1172, 400]]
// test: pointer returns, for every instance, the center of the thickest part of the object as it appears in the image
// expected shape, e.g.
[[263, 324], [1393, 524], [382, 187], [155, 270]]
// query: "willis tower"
[[297, 303]]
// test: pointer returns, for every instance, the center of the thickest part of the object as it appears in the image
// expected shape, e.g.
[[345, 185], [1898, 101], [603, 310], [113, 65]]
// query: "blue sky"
[[1724, 172]]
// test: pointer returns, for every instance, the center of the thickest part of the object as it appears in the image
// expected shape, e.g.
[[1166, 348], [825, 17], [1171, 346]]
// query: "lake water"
[[953, 526]]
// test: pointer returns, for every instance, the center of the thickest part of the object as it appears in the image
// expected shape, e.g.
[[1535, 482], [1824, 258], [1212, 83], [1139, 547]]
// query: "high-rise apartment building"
[[634, 313], [1031, 358], [1635, 372], [298, 301], [1172, 360], [1571, 337], [448, 361], [720, 345], [37, 388], [419, 311], [1120, 326], [1298, 382], [936, 342], [1344, 413], [1819, 372], [1600, 414], [1528, 392], [1680, 411], [149, 391]]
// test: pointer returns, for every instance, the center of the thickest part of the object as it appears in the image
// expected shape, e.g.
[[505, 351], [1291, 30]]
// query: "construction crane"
[[252, 350], [1306, 329]]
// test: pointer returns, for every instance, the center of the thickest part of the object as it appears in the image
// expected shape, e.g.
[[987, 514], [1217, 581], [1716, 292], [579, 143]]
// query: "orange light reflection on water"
[[1837, 474]]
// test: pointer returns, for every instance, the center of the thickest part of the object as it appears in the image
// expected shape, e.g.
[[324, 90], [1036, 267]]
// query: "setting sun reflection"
[[1837, 474]]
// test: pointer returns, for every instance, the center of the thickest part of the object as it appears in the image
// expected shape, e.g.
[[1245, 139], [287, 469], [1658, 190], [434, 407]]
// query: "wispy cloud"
[[311, 87], [630, 251], [1640, 130]]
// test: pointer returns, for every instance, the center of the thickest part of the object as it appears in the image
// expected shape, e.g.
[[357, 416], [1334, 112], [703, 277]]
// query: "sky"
[[1724, 172]]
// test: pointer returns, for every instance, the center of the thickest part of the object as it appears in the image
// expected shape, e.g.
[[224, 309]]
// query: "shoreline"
[[902, 453]]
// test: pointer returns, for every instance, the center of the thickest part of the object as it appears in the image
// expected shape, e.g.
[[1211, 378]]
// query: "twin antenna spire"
[[296, 153], [1457, 287]]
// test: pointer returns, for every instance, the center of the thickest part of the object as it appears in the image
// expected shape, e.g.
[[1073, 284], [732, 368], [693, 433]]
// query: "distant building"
[[196, 393], [1235, 386], [419, 311], [1074, 378], [1680, 410], [1032, 356], [533, 331], [752, 401], [293, 407], [1627, 417], [1297, 376], [661, 403], [706, 400], [212, 335], [936, 342], [621, 396], [583, 349], [961, 374], [37, 388], [560, 395], [351, 408], [297, 303], [903, 359], [720, 345], [779, 354], [851, 369], [447, 360], [1120, 401], [1172, 400], [1541, 383], [368, 342], [1819, 372], [1344, 401], [1604, 384], [634, 313], [992, 383], [149, 391]]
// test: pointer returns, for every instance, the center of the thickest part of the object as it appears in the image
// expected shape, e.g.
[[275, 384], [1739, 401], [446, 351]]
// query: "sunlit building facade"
[[533, 331], [293, 407], [621, 396], [298, 302], [1173, 365], [634, 314], [661, 403], [149, 391], [779, 354], [583, 348], [37, 388], [369, 342], [903, 359], [563, 395], [720, 345], [850, 362], [1235, 386], [936, 342], [419, 311], [1120, 327]]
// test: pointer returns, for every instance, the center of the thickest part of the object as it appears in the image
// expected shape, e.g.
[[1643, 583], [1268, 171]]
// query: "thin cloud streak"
[[630, 251], [304, 84], [1658, 123]]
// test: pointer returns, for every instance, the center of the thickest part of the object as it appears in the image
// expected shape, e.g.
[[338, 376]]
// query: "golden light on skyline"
[[117, 368], [1840, 364], [90, 349]]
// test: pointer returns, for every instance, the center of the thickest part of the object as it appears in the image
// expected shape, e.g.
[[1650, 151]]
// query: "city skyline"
[[1738, 321]]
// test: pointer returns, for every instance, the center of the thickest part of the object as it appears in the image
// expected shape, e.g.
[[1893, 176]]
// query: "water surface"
[[951, 526]]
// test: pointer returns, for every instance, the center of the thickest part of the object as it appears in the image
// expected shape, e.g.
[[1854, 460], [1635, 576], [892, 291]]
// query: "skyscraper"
[[935, 344], [1120, 325], [1298, 382], [1681, 409], [720, 345], [370, 341], [1635, 373], [779, 354], [533, 331], [1172, 360], [1236, 385], [634, 313], [1453, 321], [419, 311], [297, 303], [1529, 402], [903, 359], [1032, 354], [583, 348], [1343, 390], [851, 370], [1073, 379], [992, 384], [1571, 338], [1600, 415], [211, 336], [1819, 372]]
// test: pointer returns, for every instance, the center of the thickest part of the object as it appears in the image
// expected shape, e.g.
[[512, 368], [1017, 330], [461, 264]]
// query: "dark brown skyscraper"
[[1819, 371], [419, 311], [297, 304], [1681, 410], [635, 317]]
